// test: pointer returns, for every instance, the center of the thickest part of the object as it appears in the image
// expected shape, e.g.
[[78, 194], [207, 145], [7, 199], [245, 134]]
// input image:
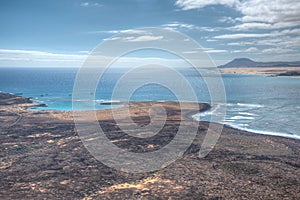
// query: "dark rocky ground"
[[290, 73], [41, 157]]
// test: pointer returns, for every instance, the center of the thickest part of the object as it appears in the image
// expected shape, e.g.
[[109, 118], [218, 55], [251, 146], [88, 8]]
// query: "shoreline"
[[259, 132], [190, 115], [268, 71], [41, 156], [25, 103], [268, 133]]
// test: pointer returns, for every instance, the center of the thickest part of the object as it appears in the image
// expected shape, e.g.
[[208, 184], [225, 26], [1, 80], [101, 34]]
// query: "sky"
[[61, 33]]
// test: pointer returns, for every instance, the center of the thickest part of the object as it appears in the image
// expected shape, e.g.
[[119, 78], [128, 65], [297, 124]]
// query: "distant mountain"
[[246, 62]]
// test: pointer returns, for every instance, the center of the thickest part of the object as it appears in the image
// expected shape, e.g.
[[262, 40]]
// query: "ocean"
[[257, 103]]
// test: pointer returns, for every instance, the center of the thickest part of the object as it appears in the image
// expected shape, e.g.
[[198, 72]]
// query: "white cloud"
[[274, 11], [172, 26], [212, 50], [265, 26], [133, 31], [277, 50], [216, 51], [178, 25], [252, 50], [291, 31], [40, 54], [85, 4], [190, 52], [266, 14], [84, 52], [125, 31], [256, 14], [294, 32], [284, 42], [242, 35], [90, 4], [211, 40], [227, 20], [145, 38], [142, 38], [249, 50], [196, 4], [32, 58], [240, 43], [131, 35], [272, 45]]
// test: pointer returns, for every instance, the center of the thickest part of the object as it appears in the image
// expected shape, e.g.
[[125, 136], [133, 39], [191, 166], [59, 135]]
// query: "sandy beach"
[[270, 71], [41, 156]]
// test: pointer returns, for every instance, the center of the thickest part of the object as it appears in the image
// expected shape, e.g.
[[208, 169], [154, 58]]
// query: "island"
[[248, 66]]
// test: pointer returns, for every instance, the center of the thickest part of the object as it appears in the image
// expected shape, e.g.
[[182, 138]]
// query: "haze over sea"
[[266, 105]]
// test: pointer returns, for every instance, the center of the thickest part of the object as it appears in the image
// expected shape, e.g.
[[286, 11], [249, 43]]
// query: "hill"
[[246, 62]]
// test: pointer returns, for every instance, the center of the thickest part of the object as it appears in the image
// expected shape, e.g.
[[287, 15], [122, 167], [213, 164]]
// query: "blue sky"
[[62, 32]]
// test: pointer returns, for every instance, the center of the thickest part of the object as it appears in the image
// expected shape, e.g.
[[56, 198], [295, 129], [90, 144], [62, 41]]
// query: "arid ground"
[[271, 71], [42, 157]]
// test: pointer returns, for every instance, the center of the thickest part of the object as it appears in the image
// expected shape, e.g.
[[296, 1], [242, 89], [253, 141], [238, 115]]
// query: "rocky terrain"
[[42, 157]]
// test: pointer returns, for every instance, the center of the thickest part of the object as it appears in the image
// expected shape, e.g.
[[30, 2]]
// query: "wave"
[[286, 135], [243, 127], [247, 114], [228, 120], [241, 117], [240, 105], [250, 105], [240, 111], [207, 113]]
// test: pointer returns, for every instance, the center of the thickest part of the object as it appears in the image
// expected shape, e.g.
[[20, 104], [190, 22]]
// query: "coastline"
[[270, 133], [268, 71], [42, 157]]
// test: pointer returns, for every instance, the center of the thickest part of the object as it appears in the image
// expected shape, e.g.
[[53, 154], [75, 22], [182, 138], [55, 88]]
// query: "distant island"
[[248, 66], [246, 62]]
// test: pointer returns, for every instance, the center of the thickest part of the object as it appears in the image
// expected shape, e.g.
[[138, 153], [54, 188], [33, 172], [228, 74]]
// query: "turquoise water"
[[266, 105]]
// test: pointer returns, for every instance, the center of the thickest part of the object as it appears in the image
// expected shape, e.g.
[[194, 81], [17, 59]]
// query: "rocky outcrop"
[[10, 99]]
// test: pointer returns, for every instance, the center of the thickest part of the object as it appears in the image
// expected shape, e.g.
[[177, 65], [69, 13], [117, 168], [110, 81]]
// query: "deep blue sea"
[[265, 105]]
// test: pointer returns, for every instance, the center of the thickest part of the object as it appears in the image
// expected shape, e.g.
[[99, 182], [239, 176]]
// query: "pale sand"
[[271, 71]]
